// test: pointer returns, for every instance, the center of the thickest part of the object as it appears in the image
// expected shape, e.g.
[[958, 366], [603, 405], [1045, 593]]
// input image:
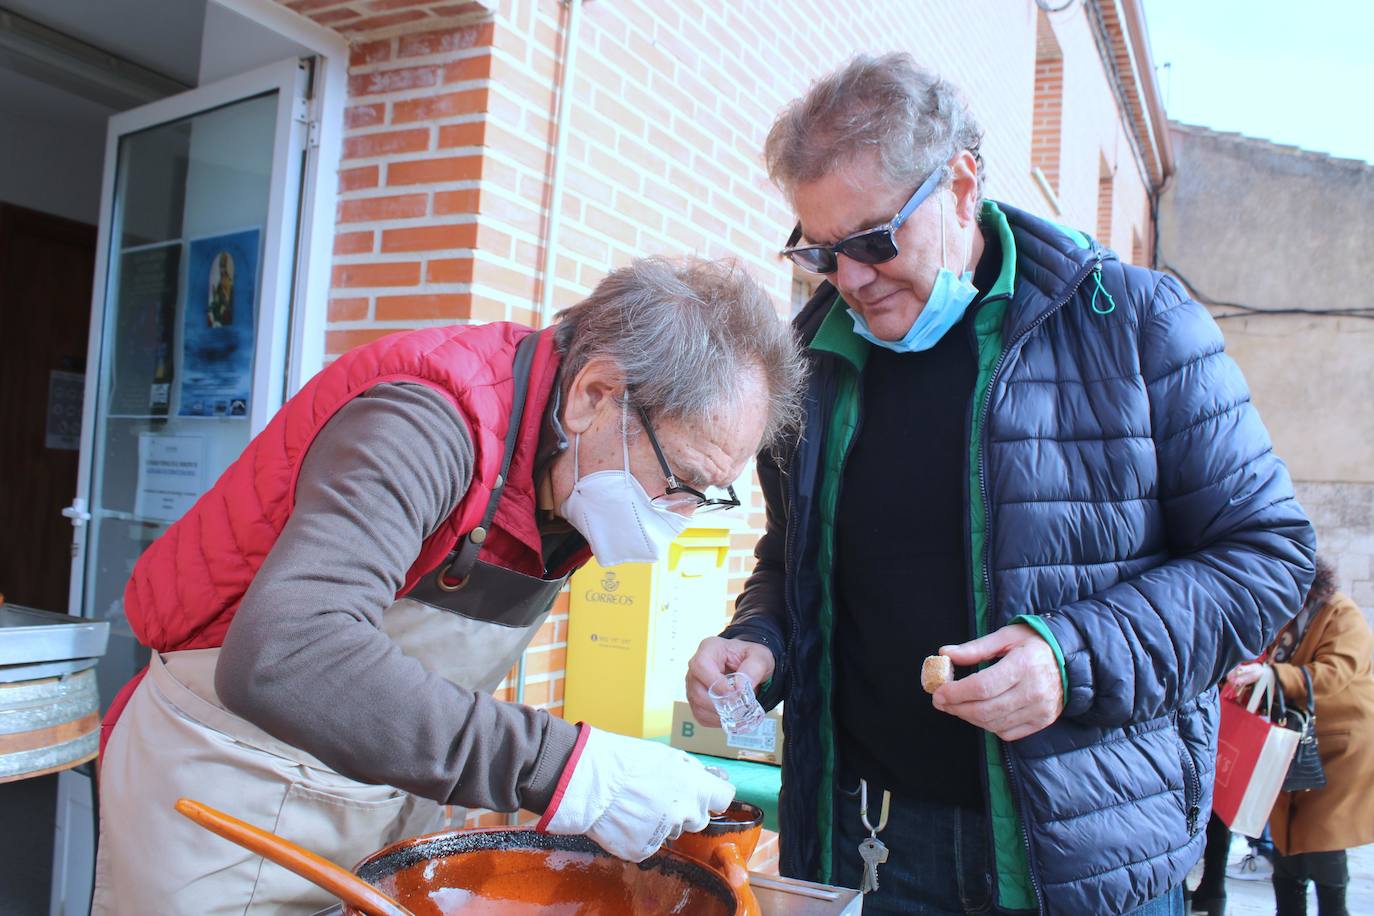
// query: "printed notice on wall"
[[171, 475], [66, 390]]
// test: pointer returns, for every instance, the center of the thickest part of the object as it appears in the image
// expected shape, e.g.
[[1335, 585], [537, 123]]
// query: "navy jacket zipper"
[[984, 439], [971, 602], [834, 604]]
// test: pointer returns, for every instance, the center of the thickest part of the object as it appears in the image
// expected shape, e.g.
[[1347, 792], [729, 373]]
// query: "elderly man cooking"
[[1030, 457], [330, 619]]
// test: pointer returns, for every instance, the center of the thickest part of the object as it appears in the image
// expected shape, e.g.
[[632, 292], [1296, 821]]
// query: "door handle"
[[77, 512]]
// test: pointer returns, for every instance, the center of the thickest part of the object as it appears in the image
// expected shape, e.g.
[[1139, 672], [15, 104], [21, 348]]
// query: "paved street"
[[1256, 897]]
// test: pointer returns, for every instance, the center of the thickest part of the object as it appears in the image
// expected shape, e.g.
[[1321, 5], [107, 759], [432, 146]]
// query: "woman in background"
[[1331, 639]]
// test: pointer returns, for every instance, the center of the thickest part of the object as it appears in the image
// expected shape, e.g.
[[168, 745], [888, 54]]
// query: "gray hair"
[[686, 333], [911, 118]]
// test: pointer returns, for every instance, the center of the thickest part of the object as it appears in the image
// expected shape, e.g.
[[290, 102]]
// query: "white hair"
[[690, 335], [913, 120]]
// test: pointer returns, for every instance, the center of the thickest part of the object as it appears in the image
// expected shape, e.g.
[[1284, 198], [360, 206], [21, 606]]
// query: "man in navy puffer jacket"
[[1034, 459]]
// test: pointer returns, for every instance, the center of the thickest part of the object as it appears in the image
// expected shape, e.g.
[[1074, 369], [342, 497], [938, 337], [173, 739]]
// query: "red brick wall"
[[360, 17], [411, 181], [444, 184], [448, 155]]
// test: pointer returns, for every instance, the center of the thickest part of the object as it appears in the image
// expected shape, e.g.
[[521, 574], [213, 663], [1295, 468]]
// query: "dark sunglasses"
[[679, 495], [871, 246]]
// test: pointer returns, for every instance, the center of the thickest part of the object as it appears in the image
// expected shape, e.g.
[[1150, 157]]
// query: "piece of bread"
[[935, 670]]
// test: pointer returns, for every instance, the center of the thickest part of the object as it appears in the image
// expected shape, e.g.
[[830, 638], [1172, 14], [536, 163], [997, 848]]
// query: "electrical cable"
[[1250, 311]]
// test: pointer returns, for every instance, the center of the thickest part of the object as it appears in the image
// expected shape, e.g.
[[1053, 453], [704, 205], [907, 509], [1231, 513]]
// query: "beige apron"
[[467, 621], [175, 739]]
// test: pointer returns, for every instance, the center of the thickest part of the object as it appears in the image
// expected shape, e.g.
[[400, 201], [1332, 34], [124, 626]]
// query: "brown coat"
[[1336, 650]]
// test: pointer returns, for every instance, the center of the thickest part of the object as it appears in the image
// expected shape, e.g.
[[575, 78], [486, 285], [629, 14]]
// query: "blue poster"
[[217, 340]]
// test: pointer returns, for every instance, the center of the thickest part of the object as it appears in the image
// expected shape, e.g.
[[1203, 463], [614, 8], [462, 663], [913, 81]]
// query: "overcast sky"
[[1299, 72]]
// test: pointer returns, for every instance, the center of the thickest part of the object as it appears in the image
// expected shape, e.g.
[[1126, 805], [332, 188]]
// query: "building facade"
[[452, 133], [1275, 240], [416, 162]]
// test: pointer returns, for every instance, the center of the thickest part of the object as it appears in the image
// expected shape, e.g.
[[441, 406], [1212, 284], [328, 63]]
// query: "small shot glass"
[[735, 703]]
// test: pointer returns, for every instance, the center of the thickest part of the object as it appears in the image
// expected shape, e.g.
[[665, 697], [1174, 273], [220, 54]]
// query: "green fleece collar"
[[836, 333], [994, 220]]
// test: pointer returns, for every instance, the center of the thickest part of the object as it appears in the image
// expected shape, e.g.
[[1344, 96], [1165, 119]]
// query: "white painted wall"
[[232, 44], [50, 167]]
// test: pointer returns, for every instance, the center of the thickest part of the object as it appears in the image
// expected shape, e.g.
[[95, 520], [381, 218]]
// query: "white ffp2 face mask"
[[611, 510]]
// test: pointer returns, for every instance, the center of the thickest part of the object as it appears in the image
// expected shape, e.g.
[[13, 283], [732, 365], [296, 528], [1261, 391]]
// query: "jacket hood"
[[1051, 261]]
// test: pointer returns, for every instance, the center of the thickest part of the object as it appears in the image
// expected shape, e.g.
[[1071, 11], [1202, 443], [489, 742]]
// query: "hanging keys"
[[874, 853], [872, 850]]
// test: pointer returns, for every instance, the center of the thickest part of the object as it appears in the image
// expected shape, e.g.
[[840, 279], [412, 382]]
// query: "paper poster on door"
[[171, 475], [217, 332], [144, 329]]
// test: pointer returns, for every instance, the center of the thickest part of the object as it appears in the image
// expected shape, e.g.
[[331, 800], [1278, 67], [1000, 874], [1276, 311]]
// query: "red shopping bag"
[[1253, 754]]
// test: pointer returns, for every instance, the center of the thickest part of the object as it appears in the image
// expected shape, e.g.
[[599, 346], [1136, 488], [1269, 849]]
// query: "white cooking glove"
[[630, 795]]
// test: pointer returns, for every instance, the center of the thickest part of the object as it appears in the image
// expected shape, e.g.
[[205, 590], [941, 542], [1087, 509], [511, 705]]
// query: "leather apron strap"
[[456, 569]]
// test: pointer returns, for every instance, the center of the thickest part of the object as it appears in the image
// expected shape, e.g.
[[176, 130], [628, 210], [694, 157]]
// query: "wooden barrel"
[[48, 724]]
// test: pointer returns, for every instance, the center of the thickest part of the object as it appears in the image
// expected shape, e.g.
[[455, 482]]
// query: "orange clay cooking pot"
[[727, 843], [515, 871]]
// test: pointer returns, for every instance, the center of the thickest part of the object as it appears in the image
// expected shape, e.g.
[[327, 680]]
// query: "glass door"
[[190, 319]]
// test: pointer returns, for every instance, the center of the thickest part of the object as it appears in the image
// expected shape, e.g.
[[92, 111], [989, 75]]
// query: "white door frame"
[[287, 78], [296, 268], [320, 190]]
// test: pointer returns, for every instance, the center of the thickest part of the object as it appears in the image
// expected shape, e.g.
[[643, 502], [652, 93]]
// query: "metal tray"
[[791, 897], [10, 674], [28, 635]]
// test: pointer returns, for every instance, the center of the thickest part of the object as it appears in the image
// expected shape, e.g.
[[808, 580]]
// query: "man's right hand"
[[716, 658], [630, 795]]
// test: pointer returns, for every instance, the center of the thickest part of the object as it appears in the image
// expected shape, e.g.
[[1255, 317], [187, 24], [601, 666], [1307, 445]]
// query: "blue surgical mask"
[[949, 299]]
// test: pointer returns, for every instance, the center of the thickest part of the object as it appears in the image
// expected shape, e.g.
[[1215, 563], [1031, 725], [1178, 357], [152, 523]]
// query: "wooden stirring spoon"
[[318, 870]]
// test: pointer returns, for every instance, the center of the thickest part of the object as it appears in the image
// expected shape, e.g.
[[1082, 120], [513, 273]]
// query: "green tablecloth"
[[756, 783]]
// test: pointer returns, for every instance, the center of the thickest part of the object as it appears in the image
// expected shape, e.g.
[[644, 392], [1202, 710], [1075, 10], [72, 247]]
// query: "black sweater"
[[903, 578]]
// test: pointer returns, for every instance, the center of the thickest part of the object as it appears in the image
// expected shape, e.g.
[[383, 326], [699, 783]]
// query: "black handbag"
[[1305, 772]]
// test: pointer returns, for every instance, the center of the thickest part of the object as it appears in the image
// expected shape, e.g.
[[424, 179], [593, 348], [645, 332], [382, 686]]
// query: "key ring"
[[863, 808]]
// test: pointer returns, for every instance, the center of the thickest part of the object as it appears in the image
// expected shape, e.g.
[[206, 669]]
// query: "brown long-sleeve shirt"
[[305, 658]]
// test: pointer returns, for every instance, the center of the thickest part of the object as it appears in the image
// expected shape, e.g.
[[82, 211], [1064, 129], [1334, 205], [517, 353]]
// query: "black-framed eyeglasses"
[[871, 246], [678, 495]]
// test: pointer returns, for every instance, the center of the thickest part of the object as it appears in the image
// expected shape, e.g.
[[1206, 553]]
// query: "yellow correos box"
[[632, 629]]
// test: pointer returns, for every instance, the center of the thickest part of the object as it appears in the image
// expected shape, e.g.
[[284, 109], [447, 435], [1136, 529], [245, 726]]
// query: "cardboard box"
[[690, 735]]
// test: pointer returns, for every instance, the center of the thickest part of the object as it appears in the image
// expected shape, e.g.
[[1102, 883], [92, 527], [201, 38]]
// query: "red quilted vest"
[[187, 585]]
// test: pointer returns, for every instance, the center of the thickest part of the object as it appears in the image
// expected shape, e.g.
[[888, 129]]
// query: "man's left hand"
[[1017, 695]]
